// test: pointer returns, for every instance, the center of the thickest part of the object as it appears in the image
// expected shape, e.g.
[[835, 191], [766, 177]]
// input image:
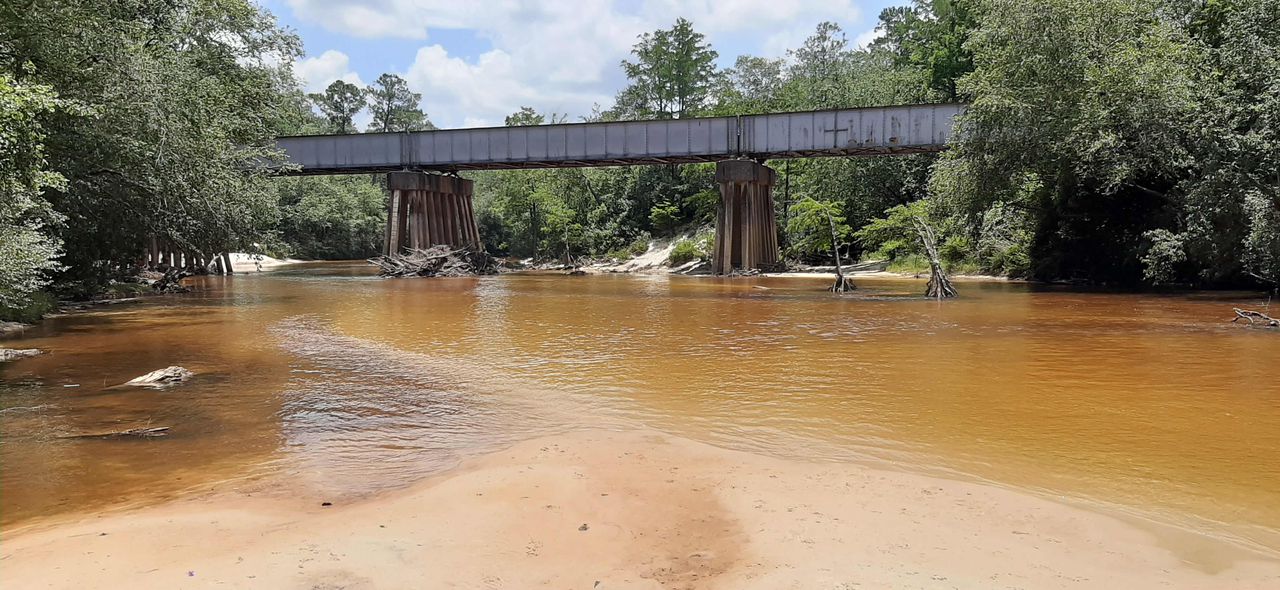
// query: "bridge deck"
[[843, 132]]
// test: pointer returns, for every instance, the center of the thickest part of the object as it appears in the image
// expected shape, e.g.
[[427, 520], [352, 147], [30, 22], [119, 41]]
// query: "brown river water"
[[322, 380]]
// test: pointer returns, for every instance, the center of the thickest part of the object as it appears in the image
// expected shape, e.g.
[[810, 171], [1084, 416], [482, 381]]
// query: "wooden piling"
[[441, 211], [746, 228]]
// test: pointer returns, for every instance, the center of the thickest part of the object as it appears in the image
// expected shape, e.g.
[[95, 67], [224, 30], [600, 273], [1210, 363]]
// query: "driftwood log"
[[437, 261], [939, 285], [1255, 317], [144, 432], [9, 354], [162, 377]]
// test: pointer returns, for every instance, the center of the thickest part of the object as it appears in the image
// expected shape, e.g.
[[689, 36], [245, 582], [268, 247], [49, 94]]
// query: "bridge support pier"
[[746, 231], [429, 209]]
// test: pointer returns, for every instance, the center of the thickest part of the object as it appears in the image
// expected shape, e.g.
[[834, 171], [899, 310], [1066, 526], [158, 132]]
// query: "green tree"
[[175, 98], [340, 103], [394, 107], [297, 115], [335, 218], [28, 253], [810, 226], [818, 69], [752, 85], [528, 116], [672, 76], [1075, 115], [824, 73], [1227, 207], [931, 35]]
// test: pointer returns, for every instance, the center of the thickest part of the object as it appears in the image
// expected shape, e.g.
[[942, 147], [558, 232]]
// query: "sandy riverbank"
[[607, 510], [241, 262]]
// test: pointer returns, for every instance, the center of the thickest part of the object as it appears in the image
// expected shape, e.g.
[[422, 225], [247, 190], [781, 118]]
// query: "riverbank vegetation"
[[1121, 142]]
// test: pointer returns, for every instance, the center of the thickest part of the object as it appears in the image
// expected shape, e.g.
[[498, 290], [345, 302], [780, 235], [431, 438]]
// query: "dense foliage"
[[167, 101], [1138, 136], [322, 218], [27, 253], [1112, 141]]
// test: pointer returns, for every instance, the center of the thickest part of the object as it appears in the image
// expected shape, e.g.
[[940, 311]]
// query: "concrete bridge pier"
[[746, 231], [429, 209]]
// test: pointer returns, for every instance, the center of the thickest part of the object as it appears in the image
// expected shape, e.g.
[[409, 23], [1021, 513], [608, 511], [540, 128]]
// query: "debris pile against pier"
[[437, 261]]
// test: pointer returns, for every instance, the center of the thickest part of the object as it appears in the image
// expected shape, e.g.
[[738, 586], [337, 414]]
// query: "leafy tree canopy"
[[342, 101], [672, 75], [394, 107]]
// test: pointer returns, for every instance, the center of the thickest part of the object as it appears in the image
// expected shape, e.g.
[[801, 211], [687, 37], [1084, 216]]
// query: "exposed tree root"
[[843, 284]]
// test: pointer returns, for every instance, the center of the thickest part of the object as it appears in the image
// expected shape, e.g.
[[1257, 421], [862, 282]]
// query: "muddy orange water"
[[325, 381]]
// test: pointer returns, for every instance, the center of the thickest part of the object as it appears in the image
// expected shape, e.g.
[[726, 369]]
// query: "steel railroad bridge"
[[431, 205]]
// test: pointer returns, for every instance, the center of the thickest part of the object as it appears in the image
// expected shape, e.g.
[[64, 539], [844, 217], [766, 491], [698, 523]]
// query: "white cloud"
[[865, 38], [318, 72], [780, 41], [553, 55], [481, 93]]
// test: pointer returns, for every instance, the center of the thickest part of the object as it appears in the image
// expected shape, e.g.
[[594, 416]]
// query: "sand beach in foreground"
[[630, 509]]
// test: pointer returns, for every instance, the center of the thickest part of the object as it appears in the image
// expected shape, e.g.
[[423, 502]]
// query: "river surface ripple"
[[343, 384]]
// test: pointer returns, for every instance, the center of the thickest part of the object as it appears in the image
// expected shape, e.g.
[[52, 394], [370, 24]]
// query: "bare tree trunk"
[[786, 205], [842, 284], [939, 285], [533, 227], [226, 262]]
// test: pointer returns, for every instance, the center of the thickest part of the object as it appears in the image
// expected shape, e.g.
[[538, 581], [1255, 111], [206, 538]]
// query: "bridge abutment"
[[429, 209], [746, 230]]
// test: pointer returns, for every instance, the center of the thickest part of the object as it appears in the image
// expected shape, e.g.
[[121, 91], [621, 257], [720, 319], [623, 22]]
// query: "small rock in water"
[[583, 527], [9, 354], [162, 378], [326, 503]]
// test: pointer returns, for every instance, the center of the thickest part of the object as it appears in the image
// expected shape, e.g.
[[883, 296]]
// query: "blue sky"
[[475, 62]]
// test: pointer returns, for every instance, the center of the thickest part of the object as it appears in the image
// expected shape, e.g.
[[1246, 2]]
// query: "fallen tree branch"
[[148, 432], [1254, 317]]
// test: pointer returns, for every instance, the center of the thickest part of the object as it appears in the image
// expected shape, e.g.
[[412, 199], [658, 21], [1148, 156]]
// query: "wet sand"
[[633, 509]]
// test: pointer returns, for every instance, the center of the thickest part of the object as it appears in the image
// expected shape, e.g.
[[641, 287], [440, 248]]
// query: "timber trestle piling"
[[746, 226], [429, 209]]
